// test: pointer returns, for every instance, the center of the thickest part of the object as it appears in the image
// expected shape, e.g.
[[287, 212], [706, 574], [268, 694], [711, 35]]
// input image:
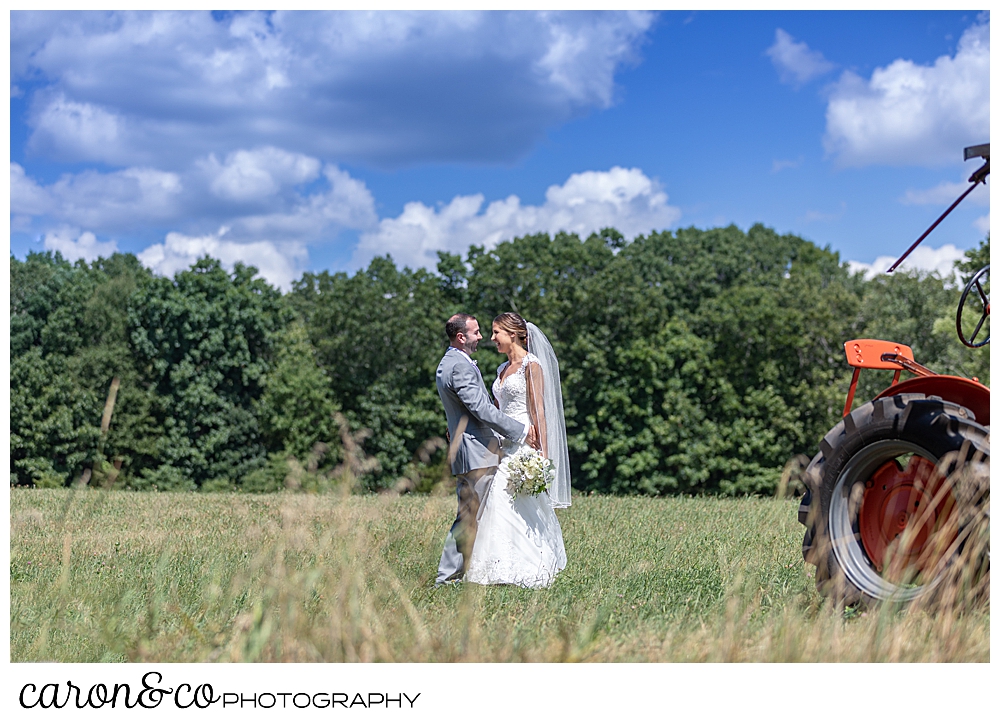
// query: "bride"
[[519, 541]]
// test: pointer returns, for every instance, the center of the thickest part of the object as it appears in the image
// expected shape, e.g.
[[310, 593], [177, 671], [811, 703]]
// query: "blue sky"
[[317, 141]]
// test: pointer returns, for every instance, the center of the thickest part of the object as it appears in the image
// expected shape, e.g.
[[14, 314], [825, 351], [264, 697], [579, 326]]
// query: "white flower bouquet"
[[530, 473]]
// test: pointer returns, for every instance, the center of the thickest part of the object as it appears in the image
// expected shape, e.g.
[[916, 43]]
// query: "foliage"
[[695, 361], [203, 342], [379, 337], [974, 260], [296, 409], [69, 338]]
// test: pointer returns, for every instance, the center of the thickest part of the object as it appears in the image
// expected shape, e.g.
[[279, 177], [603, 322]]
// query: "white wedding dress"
[[519, 541]]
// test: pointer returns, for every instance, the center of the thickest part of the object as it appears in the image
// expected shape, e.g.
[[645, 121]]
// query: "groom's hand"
[[532, 439]]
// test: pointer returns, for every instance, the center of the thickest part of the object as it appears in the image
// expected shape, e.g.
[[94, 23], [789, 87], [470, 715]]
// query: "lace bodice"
[[512, 393]]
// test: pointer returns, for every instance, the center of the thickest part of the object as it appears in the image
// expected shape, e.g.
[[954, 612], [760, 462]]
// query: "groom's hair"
[[456, 325]]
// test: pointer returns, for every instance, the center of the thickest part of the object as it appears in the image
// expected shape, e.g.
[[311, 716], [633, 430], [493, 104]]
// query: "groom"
[[474, 449]]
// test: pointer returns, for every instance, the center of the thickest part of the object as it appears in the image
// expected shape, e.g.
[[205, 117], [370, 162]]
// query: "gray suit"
[[473, 425]]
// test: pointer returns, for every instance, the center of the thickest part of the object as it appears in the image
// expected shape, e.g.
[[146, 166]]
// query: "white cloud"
[[347, 204], [394, 88], [583, 52], [26, 196], [279, 264], [945, 194], [267, 222], [624, 198], [924, 258], [913, 114], [74, 245], [254, 193], [252, 175], [795, 62], [76, 131], [105, 202], [982, 224]]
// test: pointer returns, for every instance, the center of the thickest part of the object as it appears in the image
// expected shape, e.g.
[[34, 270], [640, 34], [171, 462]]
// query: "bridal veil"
[[555, 420]]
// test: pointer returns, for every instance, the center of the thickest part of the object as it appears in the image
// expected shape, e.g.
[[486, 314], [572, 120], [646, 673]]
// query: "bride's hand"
[[532, 439]]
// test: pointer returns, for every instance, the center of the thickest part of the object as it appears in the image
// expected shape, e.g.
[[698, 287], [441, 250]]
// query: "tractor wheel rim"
[[867, 522], [901, 511]]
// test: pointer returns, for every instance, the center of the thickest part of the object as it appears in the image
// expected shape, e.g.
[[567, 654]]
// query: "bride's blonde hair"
[[513, 324]]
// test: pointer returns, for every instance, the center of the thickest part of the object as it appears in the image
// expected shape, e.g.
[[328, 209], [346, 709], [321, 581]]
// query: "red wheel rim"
[[898, 501]]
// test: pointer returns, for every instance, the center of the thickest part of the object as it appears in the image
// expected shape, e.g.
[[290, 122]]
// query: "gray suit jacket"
[[463, 393]]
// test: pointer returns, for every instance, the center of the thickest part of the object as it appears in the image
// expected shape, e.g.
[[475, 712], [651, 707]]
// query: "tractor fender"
[[965, 392]]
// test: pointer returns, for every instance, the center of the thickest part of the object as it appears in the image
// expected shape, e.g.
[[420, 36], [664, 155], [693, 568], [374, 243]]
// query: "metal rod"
[[850, 392], [933, 226], [908, 364]]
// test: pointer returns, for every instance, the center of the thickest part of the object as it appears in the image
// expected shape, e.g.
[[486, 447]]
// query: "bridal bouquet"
[[530, 473]]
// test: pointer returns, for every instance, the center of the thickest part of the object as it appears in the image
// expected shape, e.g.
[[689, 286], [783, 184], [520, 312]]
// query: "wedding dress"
[[519, 541]]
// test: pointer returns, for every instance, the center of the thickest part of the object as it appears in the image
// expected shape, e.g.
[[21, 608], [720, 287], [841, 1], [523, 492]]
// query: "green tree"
[[203, 340], [379, 336], [296, 409], [69, 340], [695, 361]]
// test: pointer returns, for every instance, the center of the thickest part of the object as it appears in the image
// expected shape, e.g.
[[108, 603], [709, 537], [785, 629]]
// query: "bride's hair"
[[513, 324]]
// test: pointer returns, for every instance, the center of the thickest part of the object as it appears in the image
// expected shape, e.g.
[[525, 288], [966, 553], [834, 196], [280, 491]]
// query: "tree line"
[[694, 361]]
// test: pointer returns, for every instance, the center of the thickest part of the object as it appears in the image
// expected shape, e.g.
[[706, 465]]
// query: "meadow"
[[105, 576]]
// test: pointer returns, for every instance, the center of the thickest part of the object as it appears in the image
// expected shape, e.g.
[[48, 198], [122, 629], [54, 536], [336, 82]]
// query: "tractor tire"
[[864, 488]]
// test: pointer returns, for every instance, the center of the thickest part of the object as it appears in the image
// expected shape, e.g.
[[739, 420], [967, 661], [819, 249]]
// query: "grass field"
[[188, 577]]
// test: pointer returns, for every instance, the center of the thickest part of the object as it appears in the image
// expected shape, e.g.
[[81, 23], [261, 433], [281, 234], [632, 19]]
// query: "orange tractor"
[[888, 508]]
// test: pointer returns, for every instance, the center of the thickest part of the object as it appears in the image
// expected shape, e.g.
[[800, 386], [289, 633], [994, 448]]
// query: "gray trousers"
[[472, 488]]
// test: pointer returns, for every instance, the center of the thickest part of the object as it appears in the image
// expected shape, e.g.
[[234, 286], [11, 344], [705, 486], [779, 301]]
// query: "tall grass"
[[100, 575]]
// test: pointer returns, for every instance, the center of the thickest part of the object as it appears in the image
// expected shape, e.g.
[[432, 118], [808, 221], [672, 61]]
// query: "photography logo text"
[[152, 691]]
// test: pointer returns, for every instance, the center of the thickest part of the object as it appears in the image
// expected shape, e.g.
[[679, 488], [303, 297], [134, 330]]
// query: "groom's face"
[[471, 336]]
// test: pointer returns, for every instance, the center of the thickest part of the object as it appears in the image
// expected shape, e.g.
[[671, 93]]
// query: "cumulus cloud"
[[252, 195], [924, 258], [27, 197], [75, 131], [583, 52], [346, 204], [270, 224], [624, 198], [165, 88], [106, 202], [913, 114], [982, 224], [73, 244], [795, 62], [279, 264], [253, 192], [255, 174]]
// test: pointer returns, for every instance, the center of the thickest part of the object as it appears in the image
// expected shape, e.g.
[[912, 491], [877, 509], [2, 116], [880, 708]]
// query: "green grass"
[[119, 576]]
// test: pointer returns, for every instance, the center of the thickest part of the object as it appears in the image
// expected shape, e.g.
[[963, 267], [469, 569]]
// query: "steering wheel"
[[980, 278]]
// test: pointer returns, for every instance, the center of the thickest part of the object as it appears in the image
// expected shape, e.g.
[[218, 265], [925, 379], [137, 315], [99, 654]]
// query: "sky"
[[309, 141]]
